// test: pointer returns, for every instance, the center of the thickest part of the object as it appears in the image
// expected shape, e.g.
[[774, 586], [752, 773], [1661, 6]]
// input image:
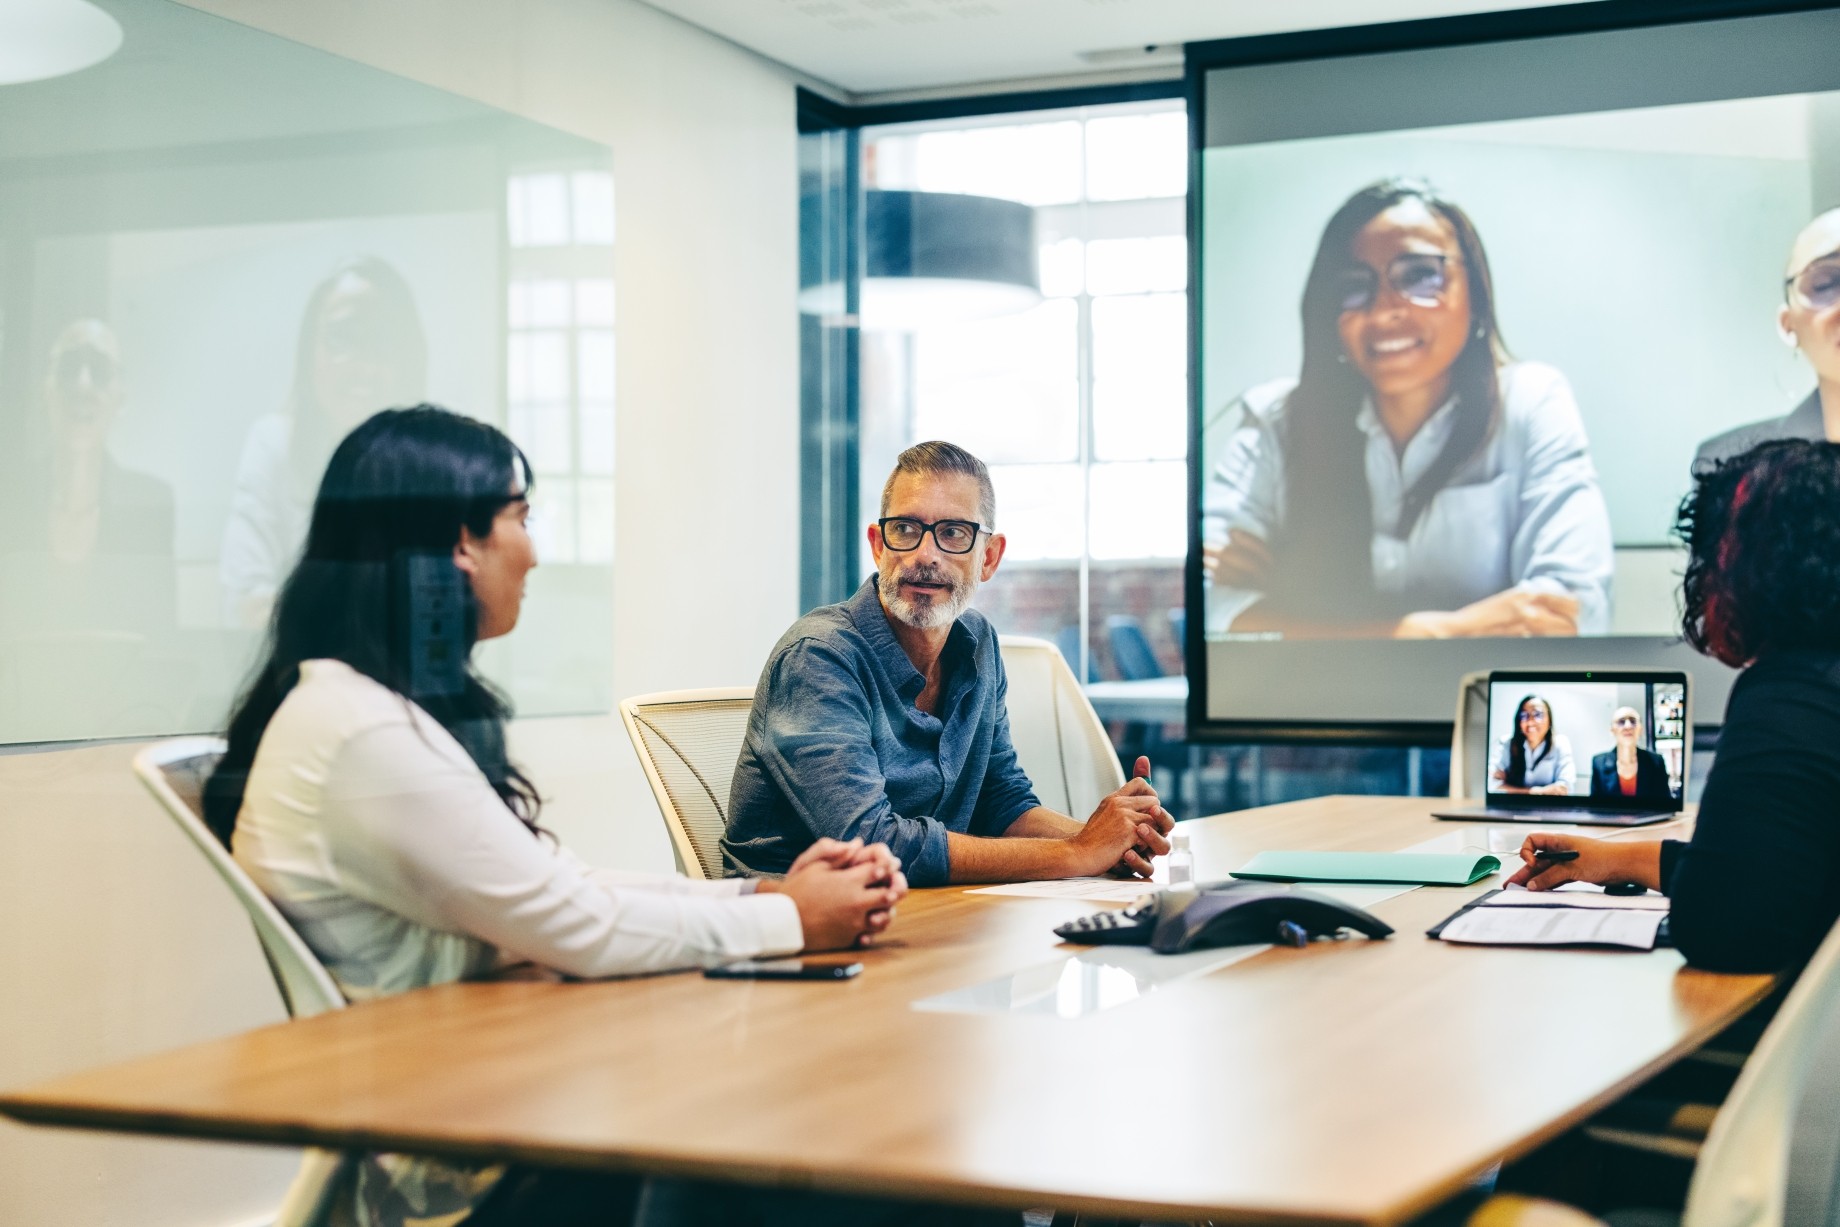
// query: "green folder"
[[1414, 868]]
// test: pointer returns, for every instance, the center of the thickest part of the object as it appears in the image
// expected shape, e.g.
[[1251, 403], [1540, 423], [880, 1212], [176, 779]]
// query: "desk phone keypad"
[[1132, 926]]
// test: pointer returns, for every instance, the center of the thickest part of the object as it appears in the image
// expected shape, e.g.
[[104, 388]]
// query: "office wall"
[[117, 940]]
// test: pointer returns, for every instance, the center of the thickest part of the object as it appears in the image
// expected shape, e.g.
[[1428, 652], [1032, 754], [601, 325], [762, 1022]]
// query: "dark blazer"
[[1651, 777], [1803, 422]]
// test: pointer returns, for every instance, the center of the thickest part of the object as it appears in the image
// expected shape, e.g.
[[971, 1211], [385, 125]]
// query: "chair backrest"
[[1469, 737], [1131, 650], [688, 742], [175, 772], [1059, 739], [1770, 1157]]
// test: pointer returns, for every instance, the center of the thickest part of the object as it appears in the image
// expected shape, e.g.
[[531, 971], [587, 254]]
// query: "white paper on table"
[[1105, 890], [1554, 926], [1516, 896]]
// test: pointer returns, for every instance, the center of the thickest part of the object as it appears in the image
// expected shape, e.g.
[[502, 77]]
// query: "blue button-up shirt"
[[835, 745]]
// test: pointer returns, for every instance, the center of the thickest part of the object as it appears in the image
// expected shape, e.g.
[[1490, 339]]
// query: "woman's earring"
[[1482, 330], [1788, 338], [1341, 356]]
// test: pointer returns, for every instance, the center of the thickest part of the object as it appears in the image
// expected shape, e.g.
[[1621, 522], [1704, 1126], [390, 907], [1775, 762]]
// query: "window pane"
[[1135, 266], [547, 304], [1063, 268], [543, 432], [594, 364], [1007, 389], [549, 365], [593, 203], [1038, 509], [1036, 164], [552, 519], [539, 210], [1140, 363], [595, 521], [1137, 510], [596, 424], [594, 302], [1139, 420], [1135, 156]]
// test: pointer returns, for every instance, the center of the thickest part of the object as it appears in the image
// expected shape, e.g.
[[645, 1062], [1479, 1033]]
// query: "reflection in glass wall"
[[219, 251]]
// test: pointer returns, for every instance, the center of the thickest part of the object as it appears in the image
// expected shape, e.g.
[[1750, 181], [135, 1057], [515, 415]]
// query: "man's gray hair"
[[935, 458]]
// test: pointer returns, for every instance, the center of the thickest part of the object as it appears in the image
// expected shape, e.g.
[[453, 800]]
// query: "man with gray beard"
[[883, 718]]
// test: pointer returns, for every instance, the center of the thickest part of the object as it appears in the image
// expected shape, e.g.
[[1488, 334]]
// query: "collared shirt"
[[835, 745], [1525, 513], [1551, 763]]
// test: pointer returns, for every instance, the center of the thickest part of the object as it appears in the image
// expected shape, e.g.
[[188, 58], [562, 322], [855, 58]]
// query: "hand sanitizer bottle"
[[1181, 860]]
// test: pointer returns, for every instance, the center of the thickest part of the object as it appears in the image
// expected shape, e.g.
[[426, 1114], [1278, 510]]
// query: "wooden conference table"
[[1346, 1082]]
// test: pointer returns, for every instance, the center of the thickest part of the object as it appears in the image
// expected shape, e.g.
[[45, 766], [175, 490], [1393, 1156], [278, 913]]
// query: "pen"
[[1556, 854]]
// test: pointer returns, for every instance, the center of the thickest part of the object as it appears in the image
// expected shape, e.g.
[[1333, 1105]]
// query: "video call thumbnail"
[[1611, 742]]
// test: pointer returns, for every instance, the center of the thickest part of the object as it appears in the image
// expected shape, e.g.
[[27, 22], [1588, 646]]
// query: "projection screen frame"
[[1523, 25]]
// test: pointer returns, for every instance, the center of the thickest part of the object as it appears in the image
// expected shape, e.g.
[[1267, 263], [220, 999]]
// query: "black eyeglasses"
[[1419, 277], [901, 534], [1530, 715], [1630, 720], [1817, 286]]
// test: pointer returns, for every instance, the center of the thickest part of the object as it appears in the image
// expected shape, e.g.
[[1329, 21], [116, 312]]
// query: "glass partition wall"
[[219, 250]]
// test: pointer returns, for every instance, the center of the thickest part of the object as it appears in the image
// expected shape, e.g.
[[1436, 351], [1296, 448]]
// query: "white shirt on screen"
[[1551, 763], [1525, 513], [385, 846]]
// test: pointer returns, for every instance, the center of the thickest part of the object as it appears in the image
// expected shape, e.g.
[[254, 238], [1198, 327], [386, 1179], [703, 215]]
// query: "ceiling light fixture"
[[936, 258], [49, 38]]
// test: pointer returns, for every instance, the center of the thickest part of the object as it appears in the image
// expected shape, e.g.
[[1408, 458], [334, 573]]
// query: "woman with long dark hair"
[[360, 347], [1533, 756], [1758, 885], [1413, 480], [367, 790]]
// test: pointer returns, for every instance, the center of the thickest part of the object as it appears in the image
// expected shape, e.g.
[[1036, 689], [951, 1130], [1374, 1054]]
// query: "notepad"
[[1553, 926], [1416, 868]]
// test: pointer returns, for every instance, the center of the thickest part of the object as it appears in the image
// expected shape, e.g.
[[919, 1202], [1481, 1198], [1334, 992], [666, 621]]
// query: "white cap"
[[1178, 839]]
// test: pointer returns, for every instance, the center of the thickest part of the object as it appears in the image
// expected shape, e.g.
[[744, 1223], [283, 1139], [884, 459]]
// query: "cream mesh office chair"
[[1469, 738], [175, 772], [688, 742], [1059, 738]]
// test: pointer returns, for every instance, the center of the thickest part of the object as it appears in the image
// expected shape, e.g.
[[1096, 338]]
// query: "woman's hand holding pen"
[[1549, 860]]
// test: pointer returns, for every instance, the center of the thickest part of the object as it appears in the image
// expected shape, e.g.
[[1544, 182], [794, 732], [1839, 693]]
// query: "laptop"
[[1553, 741]]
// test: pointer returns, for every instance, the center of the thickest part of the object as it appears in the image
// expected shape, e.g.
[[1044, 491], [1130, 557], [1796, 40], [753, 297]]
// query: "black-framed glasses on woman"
[[1817, 286], [901, 534], [1419, 277]]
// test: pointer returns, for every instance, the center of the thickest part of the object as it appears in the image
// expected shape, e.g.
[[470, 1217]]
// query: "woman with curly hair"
[[1758, 885]]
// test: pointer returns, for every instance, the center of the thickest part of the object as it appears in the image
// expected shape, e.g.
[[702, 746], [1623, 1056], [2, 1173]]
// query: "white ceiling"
[[873, 47]]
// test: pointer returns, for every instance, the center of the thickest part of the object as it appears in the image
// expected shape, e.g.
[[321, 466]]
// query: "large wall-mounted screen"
[[1468, 313]]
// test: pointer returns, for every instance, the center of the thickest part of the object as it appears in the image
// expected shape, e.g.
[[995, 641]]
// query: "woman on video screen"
[[1533, 757], [1412, 480]]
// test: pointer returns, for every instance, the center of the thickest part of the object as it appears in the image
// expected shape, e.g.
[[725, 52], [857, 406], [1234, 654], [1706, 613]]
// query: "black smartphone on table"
[[783, 969]]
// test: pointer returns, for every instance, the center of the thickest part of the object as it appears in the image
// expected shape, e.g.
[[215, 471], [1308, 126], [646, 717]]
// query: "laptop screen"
[[1615, 740]]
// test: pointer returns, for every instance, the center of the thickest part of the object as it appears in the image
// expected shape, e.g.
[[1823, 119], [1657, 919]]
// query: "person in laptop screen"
[[1532, 757], [1627, 771]]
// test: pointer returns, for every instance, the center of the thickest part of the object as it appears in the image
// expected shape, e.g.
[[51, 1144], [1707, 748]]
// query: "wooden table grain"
[[1349, 1082]]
